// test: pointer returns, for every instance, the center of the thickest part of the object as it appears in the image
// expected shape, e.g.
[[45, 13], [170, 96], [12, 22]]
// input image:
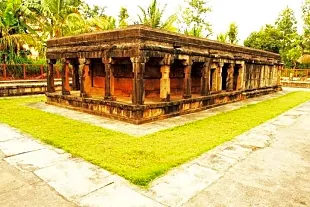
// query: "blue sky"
[[250, 15]]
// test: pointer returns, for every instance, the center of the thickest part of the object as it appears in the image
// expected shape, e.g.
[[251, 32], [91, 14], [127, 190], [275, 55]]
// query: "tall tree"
[[281, 38], [232, 33], [194, 18], [16, 29], [153, 17]]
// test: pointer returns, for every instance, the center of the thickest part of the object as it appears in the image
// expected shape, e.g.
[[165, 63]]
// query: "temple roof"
[[139, 37]]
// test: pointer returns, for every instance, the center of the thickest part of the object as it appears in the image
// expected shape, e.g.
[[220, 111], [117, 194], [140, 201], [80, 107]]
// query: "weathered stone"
[[117, 195], [179, 185], [18, 146], [75, 179], [35, 160]]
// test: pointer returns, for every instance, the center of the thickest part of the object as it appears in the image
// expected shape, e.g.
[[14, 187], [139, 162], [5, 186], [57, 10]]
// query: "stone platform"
[[138, 114], [25, 87]]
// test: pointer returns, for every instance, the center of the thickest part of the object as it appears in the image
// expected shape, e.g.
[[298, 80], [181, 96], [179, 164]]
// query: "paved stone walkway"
[[266, 166], [149, 128]]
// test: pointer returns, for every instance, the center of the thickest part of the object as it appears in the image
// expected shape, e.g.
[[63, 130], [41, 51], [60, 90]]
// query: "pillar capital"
[[108, 60], [167, 60], [51, 61], [139, 59]]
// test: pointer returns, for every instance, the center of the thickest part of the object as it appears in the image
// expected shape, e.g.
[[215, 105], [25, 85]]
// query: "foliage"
[[142, 159], [268, 38], [122, 17], [282, 38], [153, 17], [231, 36], [194, 18], [16, 18], [232, 33], [91, 12], [222, 37]]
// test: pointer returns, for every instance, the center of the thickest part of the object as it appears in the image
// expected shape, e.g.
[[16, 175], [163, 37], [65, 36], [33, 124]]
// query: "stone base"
[[295, 84], [22, 90], [138, 114]]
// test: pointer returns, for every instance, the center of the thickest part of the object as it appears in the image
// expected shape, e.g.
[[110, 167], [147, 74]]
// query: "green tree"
[[194, 18], [268, 38], [282, 38], [232, 33], [153, 17], [122, 17], [16, 29]]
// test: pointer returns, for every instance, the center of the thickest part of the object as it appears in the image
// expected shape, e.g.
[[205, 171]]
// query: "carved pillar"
[[230, 77], [187, 92], [75, 76], [65, 74], [85, 77], [219, 76], [138, 87], [165, 79], [241, 82], [109, 79], [205, 78], [50, 76], [280, 67]]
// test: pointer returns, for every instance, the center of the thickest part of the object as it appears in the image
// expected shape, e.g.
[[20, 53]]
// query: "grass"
[[140, 160]]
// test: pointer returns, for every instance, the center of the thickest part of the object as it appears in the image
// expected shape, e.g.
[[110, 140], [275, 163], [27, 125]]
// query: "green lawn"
[[140, 160]]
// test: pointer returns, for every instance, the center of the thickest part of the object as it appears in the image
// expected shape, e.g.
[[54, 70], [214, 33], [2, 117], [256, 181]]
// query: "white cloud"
[[250, 15]]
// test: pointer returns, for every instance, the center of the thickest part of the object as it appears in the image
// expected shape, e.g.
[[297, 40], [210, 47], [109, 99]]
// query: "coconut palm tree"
[[15, 27], [153, 17]]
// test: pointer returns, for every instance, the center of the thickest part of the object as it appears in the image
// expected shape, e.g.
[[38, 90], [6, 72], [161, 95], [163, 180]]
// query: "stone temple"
[[140, 74]]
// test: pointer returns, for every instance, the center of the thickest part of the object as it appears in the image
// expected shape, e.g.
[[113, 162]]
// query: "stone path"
[[149, 128], [266, 166]]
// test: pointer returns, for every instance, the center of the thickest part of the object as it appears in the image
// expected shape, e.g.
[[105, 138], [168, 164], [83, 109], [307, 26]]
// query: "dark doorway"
[[224, 77], [236, 77]]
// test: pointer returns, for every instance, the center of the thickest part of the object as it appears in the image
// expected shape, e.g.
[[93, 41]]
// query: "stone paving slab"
[[7, 133], [36, 159], [149, 128], [19, 146], [75, 178], [181, 184], [117, 195]]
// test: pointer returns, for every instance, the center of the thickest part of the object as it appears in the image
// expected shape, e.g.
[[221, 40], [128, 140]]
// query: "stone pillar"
[[219, 76], [85, 77], [240, 81], [230, 77], [65, 74], [262, 76], [138, 87], [280, 67], [205, 78], [75, 76], [187, 92], [50, 76], [165, 79], [109, 79]]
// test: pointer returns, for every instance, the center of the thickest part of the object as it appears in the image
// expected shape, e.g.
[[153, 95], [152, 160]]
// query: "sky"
[[250, 15]]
